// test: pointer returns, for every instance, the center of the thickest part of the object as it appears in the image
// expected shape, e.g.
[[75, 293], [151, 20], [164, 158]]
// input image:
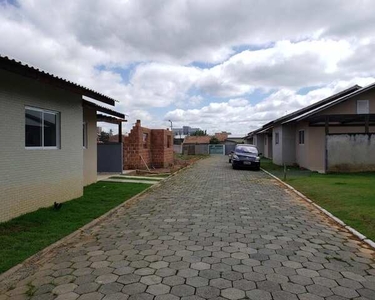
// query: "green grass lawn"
[[348, 196], [26, 235], [133, 178]]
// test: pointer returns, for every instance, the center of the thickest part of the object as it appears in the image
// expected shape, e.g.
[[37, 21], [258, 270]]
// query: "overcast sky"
[[215, 64]]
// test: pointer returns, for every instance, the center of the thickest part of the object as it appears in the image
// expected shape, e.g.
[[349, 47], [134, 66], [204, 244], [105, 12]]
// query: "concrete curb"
[[357, 234]]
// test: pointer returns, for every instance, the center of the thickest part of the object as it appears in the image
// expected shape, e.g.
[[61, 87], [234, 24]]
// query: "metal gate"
[[229, 148], [216, 149], [110, 157]]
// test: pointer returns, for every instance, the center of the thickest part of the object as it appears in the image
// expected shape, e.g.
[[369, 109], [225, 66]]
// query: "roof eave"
[[19, 68]]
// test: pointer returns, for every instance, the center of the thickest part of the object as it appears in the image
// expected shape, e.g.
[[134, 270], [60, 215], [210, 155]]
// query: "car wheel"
[[234, 167], [230, 161]]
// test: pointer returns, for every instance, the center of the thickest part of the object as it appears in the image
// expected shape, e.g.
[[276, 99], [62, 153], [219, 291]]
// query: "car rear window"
[[246, 149]]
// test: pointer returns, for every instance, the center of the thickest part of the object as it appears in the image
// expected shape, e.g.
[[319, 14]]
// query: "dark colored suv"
[[246, 156]]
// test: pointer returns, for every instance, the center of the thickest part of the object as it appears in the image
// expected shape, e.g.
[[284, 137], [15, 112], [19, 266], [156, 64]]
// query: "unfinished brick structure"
[[155, 146]]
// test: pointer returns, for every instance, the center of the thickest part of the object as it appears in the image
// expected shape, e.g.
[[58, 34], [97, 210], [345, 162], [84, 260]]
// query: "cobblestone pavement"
[[209, 233]]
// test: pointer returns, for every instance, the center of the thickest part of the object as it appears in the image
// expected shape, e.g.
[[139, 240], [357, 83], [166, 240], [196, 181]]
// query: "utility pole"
[[171, 125]]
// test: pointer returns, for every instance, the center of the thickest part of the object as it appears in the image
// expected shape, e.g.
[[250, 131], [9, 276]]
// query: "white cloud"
[[240, 116], [162, 41]]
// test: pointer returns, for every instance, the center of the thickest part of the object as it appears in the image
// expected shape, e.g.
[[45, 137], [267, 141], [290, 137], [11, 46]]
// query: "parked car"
[[246, 156]]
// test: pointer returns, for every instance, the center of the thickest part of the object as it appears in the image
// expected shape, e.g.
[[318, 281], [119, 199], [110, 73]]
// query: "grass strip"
[[134, 178], [348, 196], [24, 236]]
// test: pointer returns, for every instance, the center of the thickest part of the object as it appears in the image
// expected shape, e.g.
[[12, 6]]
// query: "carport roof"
[[311, 108], [330, 104]]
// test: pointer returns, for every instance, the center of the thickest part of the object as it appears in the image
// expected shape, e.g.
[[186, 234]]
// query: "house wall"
[[259, 142], [156, 152], [90, 152], [316, 137], [350, 106], [288, 144], [161, 148], [277, 155], [302, 151], [268, 146], [33, 178]]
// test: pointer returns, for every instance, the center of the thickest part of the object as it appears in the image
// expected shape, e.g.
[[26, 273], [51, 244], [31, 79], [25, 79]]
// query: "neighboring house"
[[334, 134], [193, 140], [201, 144], [48, 149], [151, 147], [196, 145]]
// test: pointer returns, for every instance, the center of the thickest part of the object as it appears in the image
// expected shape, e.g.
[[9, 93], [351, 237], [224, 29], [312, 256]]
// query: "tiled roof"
[[197, 139], [22, 69]]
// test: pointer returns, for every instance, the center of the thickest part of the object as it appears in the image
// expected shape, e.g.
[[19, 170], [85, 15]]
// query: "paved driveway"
[[209, 232]]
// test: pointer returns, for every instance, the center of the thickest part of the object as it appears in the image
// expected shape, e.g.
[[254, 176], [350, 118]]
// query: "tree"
[[214, 140], [104, 137], [199, 133]]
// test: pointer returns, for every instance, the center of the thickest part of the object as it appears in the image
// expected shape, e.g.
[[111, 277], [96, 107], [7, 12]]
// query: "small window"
[[363, 107], [84, 131], [276, 138], [42, 128], [301, 137]]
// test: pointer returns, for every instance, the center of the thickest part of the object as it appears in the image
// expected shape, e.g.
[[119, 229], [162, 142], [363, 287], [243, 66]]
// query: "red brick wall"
[[155, 150]]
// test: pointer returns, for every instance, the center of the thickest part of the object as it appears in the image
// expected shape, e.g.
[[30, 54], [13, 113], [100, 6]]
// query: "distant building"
[[185, 130]]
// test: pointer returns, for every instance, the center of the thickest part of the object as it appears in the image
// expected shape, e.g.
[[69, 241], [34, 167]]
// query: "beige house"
[[334, 134], [48, 149]]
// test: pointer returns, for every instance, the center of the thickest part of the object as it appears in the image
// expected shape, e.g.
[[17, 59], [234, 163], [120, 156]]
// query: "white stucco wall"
[[288, 144], [259, 142], [277, 148], [30, 179], [90, 160]]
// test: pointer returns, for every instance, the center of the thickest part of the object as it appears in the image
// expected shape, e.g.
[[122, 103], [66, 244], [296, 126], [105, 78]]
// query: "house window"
[[301, 137], [84, 128], [42, 128], [145, 140], [276, 138], [363, 107]]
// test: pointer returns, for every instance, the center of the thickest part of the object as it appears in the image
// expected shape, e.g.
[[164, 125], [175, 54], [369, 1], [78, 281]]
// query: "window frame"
[[277, 138], [58, 131], [368, 106], [301, 137]]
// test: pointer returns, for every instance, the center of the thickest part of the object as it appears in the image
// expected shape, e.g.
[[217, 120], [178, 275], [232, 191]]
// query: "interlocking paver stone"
[[64, 288], [208, 233], [233, 293], [197, 281], [183, 290], [134, 288]]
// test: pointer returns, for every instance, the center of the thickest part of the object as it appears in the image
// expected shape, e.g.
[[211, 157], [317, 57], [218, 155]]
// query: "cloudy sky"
[[216, 64]]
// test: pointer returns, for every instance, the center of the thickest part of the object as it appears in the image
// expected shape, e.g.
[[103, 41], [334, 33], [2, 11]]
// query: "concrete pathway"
[[209, 233]]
